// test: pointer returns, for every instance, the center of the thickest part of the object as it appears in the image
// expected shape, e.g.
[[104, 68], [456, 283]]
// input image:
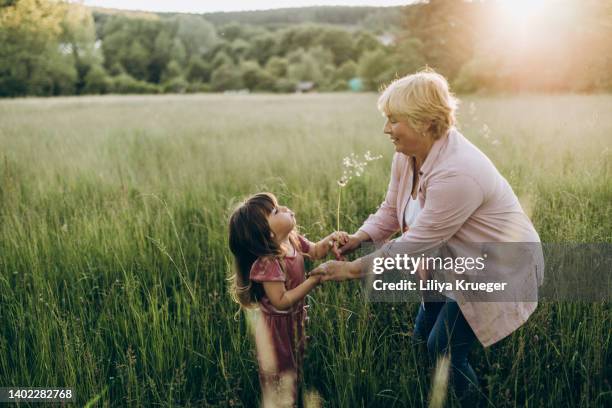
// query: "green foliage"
[[226, 77], [221, 58], [373, 69], [126, 84], [346, 71], [198, 70], [361, 17], [262, 47], [255, 78], [277, 67], [340, 43], [173, 70], [196, 34], [284, 85], [365, 42], [96, 81], [178, 52], [48, 47], [34, 50], [239, 49], [294, 38], [176, 84]]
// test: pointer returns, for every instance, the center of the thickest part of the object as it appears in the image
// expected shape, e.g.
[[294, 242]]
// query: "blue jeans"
[[442, 326]]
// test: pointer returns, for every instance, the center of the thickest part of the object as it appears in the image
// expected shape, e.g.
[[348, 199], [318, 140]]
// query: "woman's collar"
[[432, 157]]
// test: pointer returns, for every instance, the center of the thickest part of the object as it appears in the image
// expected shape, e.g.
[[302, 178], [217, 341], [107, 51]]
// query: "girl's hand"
[[316, 278], [331, 242]]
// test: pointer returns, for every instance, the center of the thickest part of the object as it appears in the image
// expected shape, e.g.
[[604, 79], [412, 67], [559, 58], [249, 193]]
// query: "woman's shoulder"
[[461, 157]]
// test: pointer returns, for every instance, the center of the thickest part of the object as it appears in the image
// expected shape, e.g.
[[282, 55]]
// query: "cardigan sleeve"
[[451, 200], [384, 223]]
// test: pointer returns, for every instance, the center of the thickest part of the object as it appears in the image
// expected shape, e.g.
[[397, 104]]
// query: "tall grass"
[[113, 247]]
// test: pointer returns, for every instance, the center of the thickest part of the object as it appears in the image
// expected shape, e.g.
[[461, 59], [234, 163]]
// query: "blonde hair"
[[423, 99]]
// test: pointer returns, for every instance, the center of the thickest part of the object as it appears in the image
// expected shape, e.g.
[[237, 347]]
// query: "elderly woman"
[[442, 189]]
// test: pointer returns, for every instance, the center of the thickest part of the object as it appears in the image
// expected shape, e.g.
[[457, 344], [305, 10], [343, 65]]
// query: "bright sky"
[[191, 6]]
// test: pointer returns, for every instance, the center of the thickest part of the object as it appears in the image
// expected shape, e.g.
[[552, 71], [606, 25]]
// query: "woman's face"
[[404, 137], [281, 221]]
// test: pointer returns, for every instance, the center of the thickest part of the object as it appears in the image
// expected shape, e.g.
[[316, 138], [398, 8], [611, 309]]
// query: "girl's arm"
[[321, 249], [283, 299]]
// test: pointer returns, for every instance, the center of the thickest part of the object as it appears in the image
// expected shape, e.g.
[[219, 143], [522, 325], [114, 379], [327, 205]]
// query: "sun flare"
[[524, 9]]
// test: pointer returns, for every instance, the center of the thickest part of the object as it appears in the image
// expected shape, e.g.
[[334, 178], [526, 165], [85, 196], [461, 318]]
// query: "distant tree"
[[197, 35], [239, 49], [373, 69], [126, 84], [161, 54], [346, 71], [32, 60], [262, 47], [78, 31], [178, 52], [307, 69], [407, 56], [382, 20], [226, 77], [233, 31], [177, 84], [293, 38], [255, 78], [277, 67], [198, 70], [221, 58], [58, 76], [447, 31], [173, 70], [339, 42], [135, 60], [308, 65], [96, 81], [285, 85], [365, 42]]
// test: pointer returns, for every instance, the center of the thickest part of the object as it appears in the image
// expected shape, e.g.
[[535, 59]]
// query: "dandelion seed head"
[[472, 108], [353, 165]]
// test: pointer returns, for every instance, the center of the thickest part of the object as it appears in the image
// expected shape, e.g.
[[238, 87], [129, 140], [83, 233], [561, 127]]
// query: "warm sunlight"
[[524, 20], [525, 9]]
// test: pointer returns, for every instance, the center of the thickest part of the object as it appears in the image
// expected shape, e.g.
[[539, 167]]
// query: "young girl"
[[269, 261]]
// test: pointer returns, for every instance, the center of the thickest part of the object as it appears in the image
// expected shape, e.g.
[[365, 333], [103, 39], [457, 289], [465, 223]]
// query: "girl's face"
[[281, 221]]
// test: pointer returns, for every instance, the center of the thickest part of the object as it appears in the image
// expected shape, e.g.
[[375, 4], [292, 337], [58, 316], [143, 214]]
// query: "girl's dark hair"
[[250, 237]]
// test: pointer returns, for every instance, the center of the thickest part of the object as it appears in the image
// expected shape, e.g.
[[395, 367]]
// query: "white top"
[[413, 209]]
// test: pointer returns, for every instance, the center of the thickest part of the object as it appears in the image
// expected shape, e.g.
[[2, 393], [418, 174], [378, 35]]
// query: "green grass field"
[[114, 257]]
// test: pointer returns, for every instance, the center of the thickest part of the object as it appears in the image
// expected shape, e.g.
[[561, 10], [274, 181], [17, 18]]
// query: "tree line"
[[56, 48]]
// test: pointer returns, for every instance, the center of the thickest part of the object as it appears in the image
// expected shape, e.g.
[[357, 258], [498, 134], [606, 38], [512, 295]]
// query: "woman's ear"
[[426, 129]]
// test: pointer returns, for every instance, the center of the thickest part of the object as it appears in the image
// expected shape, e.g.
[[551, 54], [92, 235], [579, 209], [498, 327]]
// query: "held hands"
[[340, 243], [352, 243], [336, 271], [333, 242]]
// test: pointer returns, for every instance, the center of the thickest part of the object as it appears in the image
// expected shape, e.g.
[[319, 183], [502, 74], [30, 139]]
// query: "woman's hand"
[[338, 271], [353, 242]]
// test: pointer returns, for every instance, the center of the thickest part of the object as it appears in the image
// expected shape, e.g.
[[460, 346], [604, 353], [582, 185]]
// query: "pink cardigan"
[[464, 199]]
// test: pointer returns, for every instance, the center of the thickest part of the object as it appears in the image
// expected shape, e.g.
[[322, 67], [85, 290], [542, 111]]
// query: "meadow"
[[114, 256]]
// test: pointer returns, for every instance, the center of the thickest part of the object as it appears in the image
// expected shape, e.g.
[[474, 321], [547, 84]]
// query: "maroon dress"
[[279, 334]]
